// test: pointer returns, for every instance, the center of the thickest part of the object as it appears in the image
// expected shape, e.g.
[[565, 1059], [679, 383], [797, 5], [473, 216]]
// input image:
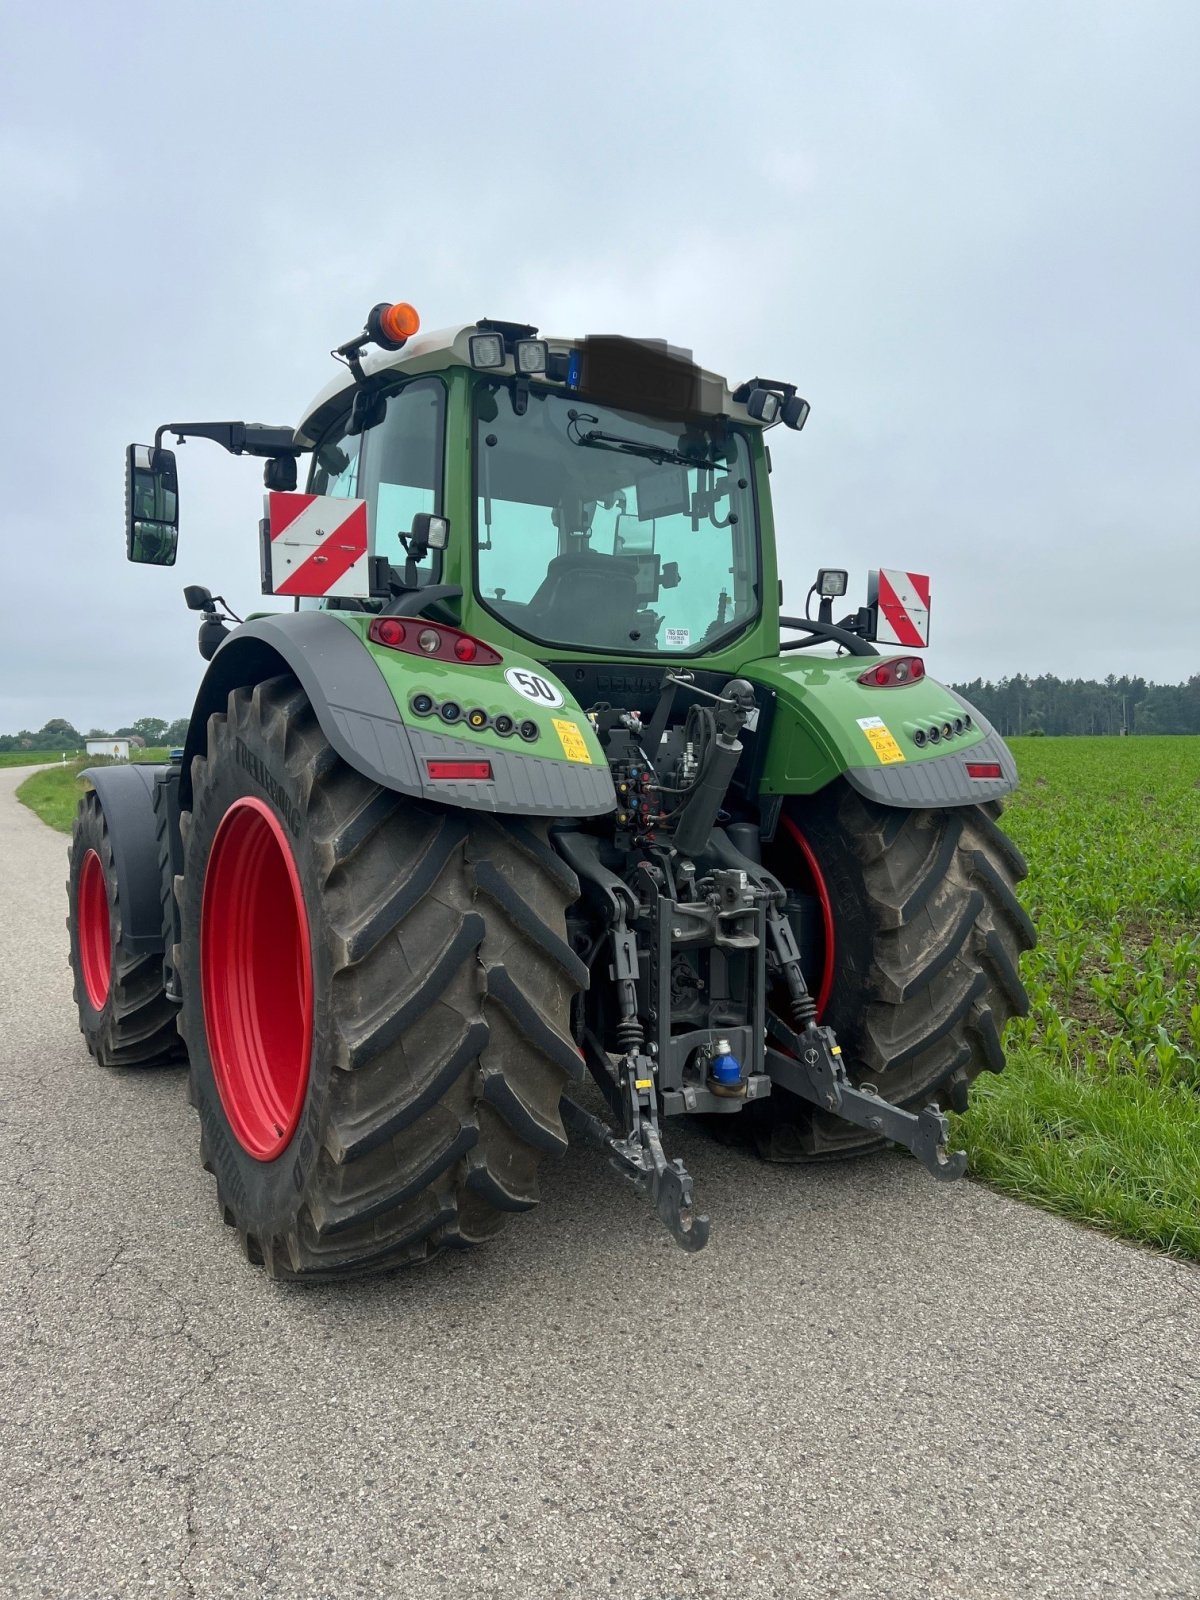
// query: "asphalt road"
[[868, 1385]]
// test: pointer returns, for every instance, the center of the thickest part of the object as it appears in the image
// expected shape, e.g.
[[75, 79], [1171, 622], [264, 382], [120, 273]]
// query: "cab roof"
[[441, 348]]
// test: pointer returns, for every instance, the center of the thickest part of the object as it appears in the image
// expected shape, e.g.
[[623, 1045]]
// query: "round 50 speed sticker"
[[534, 687]]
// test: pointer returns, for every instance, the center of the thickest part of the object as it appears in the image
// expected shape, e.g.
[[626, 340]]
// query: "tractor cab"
[[601, 494]]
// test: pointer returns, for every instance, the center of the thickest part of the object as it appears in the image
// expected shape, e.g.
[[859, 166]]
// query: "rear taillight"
[[438, 643], [984, 769], [449, 771], [891, 674]]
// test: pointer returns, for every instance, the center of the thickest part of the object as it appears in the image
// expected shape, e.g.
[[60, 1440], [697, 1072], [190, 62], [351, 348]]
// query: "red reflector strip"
[[984, 769], [446, 771]]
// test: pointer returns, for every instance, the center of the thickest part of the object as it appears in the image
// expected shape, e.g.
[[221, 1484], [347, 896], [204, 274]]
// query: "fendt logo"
[[273, 788], [627, 683]]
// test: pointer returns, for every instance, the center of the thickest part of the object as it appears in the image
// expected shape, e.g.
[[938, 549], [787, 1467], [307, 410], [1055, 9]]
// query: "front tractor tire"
[[124, 1014], [376, 1000], [920, 938]]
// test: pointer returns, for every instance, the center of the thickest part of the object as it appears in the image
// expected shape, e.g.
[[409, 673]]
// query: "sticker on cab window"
[[678, 637], [881, 738], [572, 740]]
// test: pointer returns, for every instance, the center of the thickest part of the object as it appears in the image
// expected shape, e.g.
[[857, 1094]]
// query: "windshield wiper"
[[659, 454]]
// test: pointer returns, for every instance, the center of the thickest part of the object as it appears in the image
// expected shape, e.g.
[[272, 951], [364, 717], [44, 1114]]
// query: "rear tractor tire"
[[124, 1014], [921, 934], [376, 1000]]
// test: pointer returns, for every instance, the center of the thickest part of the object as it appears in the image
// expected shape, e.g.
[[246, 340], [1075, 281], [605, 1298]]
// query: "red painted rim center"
[[256, 978], [95, 930], [810, 880]]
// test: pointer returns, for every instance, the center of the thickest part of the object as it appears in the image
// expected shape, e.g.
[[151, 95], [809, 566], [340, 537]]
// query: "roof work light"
[[487, 350], [532, 356]]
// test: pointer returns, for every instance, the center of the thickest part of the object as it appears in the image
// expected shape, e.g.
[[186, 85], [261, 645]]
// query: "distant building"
[[118, 749]]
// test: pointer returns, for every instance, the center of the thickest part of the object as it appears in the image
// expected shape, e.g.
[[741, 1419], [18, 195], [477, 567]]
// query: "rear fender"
[[361, 694], [126, 796], [828, 725]]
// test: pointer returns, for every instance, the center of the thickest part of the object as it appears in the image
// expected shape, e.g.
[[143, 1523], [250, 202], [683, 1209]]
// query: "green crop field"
[[1098, 1113]]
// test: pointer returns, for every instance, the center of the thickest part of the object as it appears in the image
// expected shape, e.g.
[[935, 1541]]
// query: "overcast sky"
[[969, 232]]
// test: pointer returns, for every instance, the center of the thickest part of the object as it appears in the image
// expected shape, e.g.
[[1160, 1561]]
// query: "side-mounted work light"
[[769, 400], [763, 405], [795, 413]]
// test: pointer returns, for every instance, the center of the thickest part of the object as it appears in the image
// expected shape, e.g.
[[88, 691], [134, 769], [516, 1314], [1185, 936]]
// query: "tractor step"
[[812, 1068]]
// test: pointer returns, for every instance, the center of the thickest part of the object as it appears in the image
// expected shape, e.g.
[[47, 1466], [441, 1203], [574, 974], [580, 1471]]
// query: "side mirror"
[[151, 506]]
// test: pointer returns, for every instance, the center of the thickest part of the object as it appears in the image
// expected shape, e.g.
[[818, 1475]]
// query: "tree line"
[[1017, 705], [58, 734], [1050, 705]]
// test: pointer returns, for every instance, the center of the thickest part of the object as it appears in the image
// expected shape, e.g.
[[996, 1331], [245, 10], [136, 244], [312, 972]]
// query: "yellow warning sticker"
[[572, 740], [881, 739]]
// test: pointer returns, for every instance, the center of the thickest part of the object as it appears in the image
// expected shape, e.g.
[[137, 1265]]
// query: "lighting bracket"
[[510, 332], [742, 393]]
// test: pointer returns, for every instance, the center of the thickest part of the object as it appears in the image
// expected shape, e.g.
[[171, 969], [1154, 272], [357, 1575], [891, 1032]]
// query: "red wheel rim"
[[256, 978], [816, 885], [95, 930]]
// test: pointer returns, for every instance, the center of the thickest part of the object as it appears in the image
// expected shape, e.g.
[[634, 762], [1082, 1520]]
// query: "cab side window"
[[396, 467], [402, 474], [335, 467]]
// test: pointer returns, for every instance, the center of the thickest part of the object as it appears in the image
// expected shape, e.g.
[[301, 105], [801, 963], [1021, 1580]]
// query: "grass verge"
[[1123, 1154], [54, 793]]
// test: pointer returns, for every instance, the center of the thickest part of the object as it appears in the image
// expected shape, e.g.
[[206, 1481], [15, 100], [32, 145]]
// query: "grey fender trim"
[[126, 796], [941, 781], [359, 717]]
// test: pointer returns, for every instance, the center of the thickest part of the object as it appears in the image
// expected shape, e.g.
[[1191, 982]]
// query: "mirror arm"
[[239, 438]]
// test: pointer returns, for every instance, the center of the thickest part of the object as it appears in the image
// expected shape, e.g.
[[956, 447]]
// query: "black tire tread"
[[137, 1026], [451, 990], [948, 931]]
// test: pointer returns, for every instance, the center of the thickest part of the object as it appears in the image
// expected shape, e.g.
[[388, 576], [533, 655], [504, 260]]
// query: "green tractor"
[[524, 788]]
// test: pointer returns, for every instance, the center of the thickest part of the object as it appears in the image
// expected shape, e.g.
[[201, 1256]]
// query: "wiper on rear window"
[[594, 439]]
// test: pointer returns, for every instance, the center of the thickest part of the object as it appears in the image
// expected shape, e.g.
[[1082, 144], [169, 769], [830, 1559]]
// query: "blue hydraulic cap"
[[726, 1069]]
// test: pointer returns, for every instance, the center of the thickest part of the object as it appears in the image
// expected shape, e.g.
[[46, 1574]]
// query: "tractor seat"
[[587, 597]]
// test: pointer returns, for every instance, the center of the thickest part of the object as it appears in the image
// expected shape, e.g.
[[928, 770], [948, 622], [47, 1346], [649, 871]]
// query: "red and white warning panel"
[[901, 603], [315, 544]]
